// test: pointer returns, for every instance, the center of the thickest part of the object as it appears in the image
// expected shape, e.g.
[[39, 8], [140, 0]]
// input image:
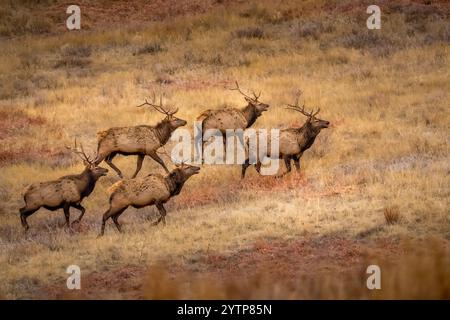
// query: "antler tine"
[[173, 112], [86, 157], [296, 107], [158, 108], [256, 96], [240, 91], [316, 113], [81, 153]]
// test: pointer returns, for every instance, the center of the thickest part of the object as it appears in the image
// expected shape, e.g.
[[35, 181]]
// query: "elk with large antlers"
[[66, 192], [153, 189], [294, 141], [233, 118], [138, 140]]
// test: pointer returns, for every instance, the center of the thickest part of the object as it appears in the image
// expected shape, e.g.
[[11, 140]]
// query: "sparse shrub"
[[191, 58], [311, 29], [255, 11], [82, 51], [392, 215], [74, 56], [72, 62], [20, 21], [367, 40], [443, 35], [217, 60], [252, 32], [151, 48]]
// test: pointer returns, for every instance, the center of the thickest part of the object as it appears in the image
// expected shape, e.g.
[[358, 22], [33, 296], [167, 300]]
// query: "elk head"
[[90, 165], [185, 171], [170, 118], [313, 121], [253, 101]]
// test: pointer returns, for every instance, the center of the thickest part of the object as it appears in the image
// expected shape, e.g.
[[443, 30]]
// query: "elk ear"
[[248, 100]]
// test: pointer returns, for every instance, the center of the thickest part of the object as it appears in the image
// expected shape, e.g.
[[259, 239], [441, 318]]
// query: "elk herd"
[[156, 189]]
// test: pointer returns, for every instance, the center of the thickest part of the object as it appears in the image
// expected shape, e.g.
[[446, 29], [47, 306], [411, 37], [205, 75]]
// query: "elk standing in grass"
[[233, 118], [138, 140], [66, 192], [153, 189], [294, 141]]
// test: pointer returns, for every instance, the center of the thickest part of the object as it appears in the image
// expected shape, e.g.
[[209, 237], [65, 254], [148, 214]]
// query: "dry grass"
[[392, 215], [417, 274], [386, 96]]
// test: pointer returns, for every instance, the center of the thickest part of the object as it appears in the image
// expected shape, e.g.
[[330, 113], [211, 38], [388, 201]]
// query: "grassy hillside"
[[385, 92]]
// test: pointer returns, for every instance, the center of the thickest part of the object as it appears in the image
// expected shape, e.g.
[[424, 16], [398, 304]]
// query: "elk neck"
[[175, 181], [308, 134], [163, 130], [86, 182], [250, 114]]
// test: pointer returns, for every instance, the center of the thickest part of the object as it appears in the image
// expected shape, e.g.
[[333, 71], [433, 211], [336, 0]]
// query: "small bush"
[[14, 21], [311, 29], [74, 56], [72, 62], [151, 48], [82, 51], [253, 32], [367, 40], [392, 215]]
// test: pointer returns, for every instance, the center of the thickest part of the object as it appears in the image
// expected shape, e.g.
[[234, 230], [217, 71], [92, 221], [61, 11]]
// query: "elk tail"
[[204, 115]]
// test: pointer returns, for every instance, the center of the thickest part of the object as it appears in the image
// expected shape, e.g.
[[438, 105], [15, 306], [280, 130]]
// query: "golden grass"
[[417, 274], [387, 147]]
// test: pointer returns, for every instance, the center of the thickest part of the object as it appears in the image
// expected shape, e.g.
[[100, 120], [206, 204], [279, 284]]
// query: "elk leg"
[[258, 166], [112, 165], [245, 165], [105, 217], [24, 213], [155, 157], [67, 214], [297, 162], [116, 217], [108, 214], [82, 209], [140, 159], [287, 163], [162, 212]]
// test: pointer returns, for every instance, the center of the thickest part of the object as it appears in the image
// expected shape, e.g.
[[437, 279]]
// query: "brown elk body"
[[294, 141], [63, 193], [153, 189], [233, 118], [137, 140]]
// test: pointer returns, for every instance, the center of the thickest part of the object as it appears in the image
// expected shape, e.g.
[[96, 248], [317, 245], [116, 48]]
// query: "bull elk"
[[294, 141], [153, 189], [63, 193], [138, 140], [233, 118]]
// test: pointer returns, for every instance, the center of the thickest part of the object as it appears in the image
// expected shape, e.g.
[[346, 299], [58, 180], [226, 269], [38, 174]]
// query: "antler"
[[81, 153], [301, 109], [158, 107], [256, 97]]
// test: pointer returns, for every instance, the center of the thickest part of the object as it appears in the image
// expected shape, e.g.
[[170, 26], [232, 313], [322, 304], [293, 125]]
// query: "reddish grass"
[[287, 259], [32, 154], [14, 123]]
